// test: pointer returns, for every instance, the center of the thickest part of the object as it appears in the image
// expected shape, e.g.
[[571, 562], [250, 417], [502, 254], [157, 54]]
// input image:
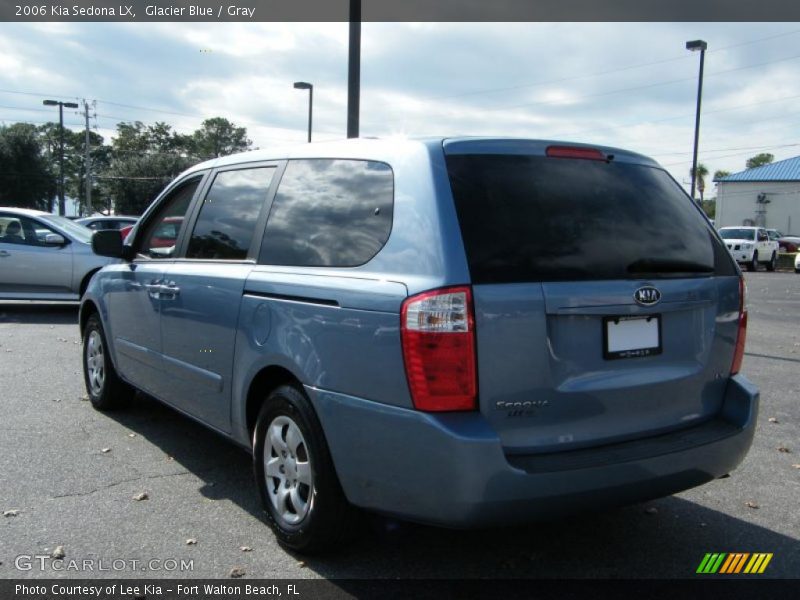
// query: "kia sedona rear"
[[462, 332], [588, 357]]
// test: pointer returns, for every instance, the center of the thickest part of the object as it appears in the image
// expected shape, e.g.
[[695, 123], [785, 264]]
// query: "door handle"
[[170, 289], [3, 253]]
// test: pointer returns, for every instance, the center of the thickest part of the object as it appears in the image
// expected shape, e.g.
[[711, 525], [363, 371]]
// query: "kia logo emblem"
[[647, 296]]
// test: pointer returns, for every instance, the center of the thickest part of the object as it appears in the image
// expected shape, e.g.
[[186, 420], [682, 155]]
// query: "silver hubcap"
[[288, 470], [95, 363]]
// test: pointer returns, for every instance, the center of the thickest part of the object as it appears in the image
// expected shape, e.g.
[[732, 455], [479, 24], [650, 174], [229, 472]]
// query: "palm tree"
[[700, 178]]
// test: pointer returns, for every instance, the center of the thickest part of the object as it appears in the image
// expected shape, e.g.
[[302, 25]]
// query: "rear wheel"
[[299, 488], [772, 262], [106, 390], [753, 264]]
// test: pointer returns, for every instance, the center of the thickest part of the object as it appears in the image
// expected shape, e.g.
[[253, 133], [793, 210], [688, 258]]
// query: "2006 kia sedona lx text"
[[462, 332]]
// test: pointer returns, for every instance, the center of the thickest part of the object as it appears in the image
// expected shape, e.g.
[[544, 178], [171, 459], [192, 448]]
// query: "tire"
[[105, 389], [772, 262], [303, 500], [753, 264]]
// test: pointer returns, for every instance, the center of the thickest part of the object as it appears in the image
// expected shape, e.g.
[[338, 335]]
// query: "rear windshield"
[[534, 218], [737, 234]]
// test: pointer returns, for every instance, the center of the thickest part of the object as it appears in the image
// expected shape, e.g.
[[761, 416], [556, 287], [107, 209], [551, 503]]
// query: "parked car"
[[786, 243], [435, 330], [751, 246], [789, 243], [44, 256], [797, 263], [104, 222]]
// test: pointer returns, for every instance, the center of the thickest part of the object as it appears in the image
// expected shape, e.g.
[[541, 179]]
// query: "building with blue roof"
[[766, 196]]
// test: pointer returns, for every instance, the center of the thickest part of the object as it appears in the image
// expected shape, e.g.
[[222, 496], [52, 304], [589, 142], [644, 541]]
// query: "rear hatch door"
[[605, 305]]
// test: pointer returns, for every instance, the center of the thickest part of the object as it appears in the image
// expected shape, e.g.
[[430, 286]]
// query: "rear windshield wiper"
[[663, 265]]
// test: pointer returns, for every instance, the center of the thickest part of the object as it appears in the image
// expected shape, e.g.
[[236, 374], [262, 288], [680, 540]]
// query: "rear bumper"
[[450, 469]]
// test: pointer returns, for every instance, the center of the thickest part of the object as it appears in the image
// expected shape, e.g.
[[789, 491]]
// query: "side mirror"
[[108, 242], [54, 239]]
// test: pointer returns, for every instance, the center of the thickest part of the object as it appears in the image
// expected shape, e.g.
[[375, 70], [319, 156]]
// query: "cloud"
[[631, 85]]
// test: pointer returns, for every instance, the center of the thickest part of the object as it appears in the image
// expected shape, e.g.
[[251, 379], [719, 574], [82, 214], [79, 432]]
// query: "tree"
[[26, 179], [218, 137], [135, 181], [759, 160], [700, 178], [144, 158], [709, 207], [75, 161], [719, 174]]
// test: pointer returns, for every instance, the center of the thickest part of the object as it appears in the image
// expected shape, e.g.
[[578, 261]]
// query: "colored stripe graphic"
[[758, 563], [711, 562], [733, 563]]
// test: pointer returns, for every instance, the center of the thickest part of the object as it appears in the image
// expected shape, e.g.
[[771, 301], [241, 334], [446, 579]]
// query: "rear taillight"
[[438, 335], [738, 353], [575, 152]]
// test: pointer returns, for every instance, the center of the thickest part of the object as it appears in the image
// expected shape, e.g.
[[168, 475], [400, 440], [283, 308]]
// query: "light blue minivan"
[[462, 332]]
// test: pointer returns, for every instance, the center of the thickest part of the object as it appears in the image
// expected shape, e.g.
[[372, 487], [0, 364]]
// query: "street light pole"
[[61, 105], [694, 46], [302, 85]]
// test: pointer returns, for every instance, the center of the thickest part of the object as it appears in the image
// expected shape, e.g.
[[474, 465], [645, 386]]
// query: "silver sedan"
[[44, 256]]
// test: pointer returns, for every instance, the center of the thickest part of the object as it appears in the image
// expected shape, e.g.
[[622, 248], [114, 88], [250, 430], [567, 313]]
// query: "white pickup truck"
[[751, 246]]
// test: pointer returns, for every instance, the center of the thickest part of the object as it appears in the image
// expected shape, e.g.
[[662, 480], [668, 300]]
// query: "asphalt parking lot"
[[69, 475]]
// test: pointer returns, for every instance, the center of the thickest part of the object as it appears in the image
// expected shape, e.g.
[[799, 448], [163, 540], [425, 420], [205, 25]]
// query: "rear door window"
[[536, 218], [229, 213], [329, 213]]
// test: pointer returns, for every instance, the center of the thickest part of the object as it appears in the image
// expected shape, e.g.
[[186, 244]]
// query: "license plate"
[[631, 337]]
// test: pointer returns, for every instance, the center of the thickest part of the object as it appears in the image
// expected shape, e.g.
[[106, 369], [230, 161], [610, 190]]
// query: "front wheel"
[[106, 390], [753, 264], [294, 472], [773, 261]]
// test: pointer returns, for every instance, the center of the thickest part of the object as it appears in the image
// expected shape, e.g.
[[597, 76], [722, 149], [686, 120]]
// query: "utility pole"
[[88, 160], [354, 70]]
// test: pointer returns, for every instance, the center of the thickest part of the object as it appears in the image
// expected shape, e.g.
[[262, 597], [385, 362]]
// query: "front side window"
[[228, 216], [329, 213], [161, 233], [737, 234]]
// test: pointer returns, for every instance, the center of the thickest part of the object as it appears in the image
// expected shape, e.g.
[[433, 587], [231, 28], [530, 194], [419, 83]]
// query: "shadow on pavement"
[[39, 314], [665, 538]]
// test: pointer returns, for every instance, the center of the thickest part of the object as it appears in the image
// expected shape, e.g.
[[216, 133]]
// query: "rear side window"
[[229, 213], [536, 218], [329, 213]]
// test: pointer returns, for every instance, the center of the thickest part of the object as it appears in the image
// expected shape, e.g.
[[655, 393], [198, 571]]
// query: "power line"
[[615, 91], [728, 150], [683, 162], [683, 56], [647, 86], [686, 116]]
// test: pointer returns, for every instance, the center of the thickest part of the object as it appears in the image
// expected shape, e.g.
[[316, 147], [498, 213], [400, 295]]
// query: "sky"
[[630, 85]]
